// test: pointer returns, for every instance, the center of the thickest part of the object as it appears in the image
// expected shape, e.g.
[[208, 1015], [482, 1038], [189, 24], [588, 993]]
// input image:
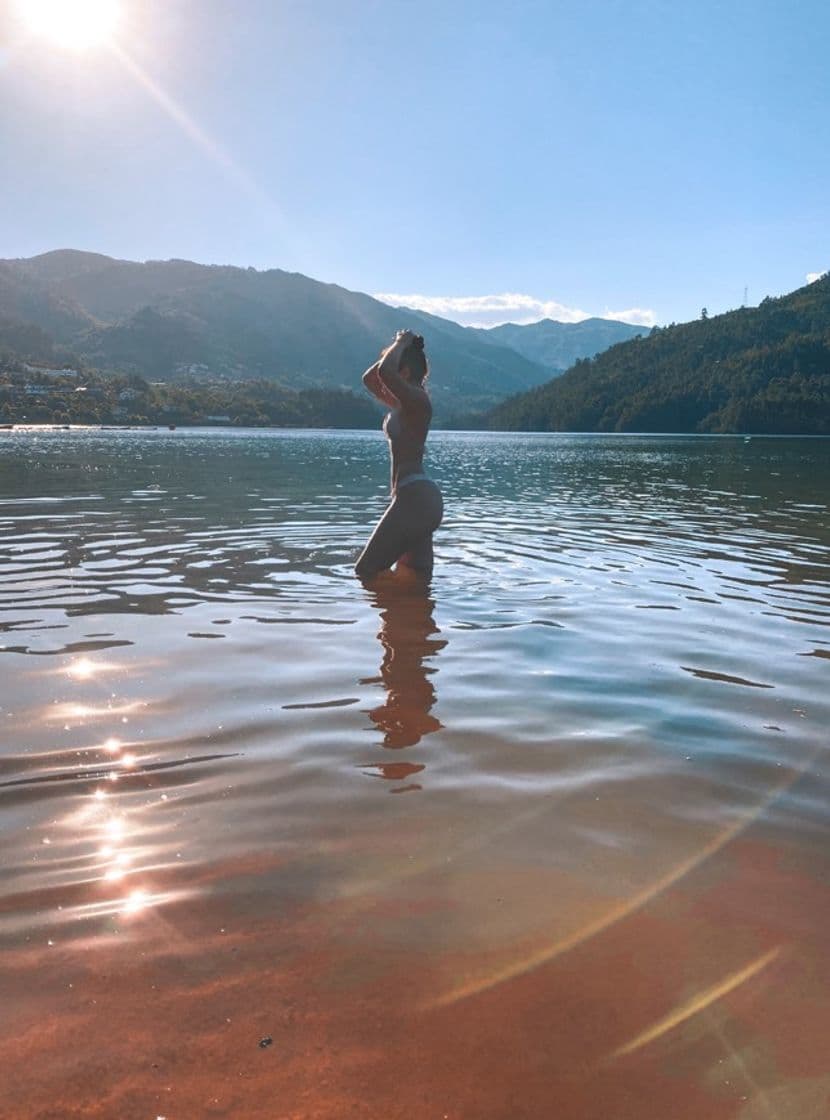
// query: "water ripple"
[[622, 653]]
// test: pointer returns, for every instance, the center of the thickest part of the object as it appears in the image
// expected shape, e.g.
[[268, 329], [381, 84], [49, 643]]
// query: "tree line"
[[763, 369], [90, 397]]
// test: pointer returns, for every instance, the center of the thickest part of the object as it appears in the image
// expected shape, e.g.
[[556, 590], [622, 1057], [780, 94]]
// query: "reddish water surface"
[[548, 840]]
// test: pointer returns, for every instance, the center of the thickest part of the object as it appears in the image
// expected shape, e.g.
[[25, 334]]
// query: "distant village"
[[67, 395], [44, 394]]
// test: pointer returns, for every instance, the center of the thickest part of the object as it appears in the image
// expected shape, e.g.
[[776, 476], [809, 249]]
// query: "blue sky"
[[499, 161]]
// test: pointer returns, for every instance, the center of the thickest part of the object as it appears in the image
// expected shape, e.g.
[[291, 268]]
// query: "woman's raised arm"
[[372, 381], [408, 395]]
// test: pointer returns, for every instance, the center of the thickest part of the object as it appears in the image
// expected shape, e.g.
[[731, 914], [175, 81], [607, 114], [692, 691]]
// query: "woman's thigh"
[[405, 528], [425, 508], [422, 506], [386, 544], [419, 555]]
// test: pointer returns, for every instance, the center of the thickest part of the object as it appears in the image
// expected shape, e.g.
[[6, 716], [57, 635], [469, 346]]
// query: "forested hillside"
[[169, 320], [70, 397], [762, 369]]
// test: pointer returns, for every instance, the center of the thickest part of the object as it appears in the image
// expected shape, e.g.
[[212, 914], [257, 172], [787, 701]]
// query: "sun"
[[75, 24]]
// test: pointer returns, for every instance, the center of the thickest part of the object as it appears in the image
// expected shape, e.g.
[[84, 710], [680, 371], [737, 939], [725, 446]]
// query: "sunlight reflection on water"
[[609, 715]]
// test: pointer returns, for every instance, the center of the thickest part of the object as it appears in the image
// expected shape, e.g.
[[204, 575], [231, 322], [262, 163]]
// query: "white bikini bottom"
[[411, 478]]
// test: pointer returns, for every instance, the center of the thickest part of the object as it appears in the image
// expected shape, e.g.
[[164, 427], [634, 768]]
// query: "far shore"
[[161, 427]]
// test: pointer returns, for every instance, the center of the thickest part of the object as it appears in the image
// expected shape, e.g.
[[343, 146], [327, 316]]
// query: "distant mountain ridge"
[[161, 319], [167, 319], [757, 369], [548, 343], [559, 345]]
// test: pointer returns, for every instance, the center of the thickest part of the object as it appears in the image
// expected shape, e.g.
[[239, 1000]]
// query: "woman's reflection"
[[406, 633]]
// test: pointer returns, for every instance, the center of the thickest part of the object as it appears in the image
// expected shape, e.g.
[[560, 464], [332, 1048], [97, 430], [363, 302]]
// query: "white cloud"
[[486, 311], [636, 316], [813, 276], [507, 307]]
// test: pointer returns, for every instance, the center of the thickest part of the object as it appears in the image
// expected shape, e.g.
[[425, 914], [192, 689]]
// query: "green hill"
[[761, 369], [169, 320]]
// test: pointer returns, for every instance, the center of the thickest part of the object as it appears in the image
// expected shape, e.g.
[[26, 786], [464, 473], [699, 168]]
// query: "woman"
[[404, 533]]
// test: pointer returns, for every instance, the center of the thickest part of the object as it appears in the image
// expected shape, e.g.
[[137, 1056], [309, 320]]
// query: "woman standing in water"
[[404, 533]]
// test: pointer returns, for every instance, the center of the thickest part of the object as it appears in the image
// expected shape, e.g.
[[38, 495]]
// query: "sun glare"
[[75, 24]]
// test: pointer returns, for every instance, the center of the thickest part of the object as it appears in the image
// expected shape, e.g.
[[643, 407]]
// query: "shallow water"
[[551, 840]]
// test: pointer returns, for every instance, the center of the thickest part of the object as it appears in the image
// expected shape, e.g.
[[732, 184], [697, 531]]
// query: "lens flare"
[[698, 1003]]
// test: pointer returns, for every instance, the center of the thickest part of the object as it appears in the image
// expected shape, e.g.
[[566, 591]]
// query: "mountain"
[[548, 343], [559, 345], [761, 369], [25, 299], [166, 319]]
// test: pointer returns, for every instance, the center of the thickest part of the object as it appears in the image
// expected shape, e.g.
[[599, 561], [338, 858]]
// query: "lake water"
[[550, 841]]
